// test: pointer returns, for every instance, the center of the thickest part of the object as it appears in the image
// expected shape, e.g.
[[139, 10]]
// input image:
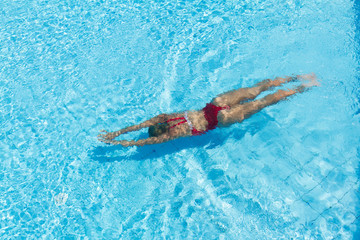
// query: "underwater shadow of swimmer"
[[109, 153], [117, 153]]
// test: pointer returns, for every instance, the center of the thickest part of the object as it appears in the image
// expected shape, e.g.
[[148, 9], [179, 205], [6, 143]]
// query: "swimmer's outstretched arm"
[[107, 136], [141, 142]]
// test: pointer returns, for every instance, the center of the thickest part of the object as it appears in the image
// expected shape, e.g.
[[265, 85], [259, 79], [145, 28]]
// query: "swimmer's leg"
[[242, 111], [237, 96]]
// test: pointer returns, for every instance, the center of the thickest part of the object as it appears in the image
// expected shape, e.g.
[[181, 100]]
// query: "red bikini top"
[[194, 131], [210, 112]]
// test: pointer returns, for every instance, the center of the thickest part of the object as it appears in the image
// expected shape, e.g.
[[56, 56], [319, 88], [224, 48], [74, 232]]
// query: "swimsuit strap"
[[196, 132], [174, 119], [185, 119], [178, 123], [225, 107], [188, 120]]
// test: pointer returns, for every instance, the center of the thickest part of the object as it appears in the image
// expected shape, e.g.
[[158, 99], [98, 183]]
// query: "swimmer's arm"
[[158, 119], [111, 135], [142, 142]]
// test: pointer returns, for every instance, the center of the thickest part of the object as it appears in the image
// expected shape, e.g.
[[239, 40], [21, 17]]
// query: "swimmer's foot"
[[309, 80]]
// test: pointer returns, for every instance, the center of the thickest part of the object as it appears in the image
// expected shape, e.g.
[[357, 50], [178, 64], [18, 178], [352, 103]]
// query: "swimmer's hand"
[[106, 136]]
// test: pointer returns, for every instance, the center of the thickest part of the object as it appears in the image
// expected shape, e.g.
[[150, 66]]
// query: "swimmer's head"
[[158, 129]]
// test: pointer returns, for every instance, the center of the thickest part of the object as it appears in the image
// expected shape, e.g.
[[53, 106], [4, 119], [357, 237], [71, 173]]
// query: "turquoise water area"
[[71, 68]]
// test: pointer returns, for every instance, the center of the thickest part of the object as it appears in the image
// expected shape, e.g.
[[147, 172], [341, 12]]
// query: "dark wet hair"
[[158, 129]]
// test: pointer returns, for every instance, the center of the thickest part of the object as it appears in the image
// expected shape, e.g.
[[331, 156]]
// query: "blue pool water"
[[71, 68]]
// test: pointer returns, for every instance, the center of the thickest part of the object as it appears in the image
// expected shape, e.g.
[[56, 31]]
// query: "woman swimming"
[[224, 110]]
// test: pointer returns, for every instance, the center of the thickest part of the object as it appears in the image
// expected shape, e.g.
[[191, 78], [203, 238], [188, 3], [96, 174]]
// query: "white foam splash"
[[170, 78], [61, 199]]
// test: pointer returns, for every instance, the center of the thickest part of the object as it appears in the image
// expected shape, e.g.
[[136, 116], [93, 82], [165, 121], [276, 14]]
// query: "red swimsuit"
[[210, 112]]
